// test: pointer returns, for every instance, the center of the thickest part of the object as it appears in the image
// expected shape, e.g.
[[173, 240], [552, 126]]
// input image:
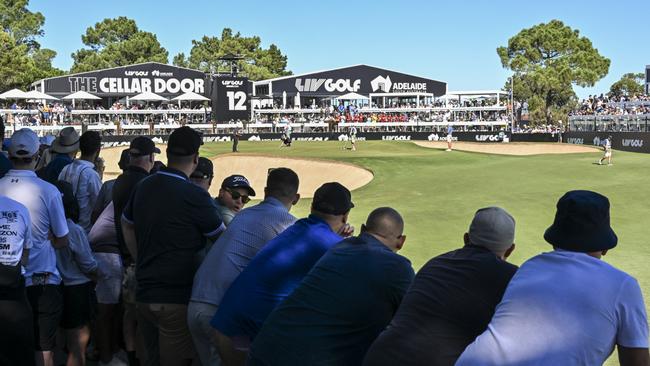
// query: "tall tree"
[[548, 60], [117, 42], [630, 84], [258, 63], [20, 30]]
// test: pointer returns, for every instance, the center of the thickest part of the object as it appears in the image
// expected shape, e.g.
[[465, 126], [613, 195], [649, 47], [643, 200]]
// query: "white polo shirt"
[[15, 231], [45, 206], [85, 186]]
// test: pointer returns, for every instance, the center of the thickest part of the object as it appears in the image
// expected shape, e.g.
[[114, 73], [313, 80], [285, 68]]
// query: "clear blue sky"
[[452, 41]]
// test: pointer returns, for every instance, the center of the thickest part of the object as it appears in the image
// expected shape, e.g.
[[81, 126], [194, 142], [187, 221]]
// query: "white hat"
[[24, 143], [492, 228]]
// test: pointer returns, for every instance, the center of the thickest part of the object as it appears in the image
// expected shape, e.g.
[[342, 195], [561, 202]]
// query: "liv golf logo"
[[632, 143]]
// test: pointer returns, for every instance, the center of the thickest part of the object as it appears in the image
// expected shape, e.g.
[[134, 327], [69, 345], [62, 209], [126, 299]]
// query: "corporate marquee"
[[363, 80]]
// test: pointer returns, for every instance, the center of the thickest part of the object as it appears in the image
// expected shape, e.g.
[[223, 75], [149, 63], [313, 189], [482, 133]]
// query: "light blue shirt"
[[75, 260], [562, 308], [85, 185], [45, 206], [245, 236]]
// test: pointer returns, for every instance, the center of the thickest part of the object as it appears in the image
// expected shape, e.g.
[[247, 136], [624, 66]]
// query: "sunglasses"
[[236, 195]]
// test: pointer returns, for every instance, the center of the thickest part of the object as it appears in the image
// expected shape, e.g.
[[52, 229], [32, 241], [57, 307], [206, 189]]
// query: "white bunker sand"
[[512, 148], [312, 173]]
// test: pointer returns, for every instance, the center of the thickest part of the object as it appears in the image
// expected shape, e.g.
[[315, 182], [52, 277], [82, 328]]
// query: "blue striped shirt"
[[247, 233]]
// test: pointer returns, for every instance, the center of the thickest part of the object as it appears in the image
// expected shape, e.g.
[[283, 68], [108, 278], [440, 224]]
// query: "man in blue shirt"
[[65, 148], [278, 269], [343, 303], [246, 235]]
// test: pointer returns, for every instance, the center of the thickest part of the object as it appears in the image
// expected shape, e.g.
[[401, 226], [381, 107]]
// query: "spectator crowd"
[[152, 270]]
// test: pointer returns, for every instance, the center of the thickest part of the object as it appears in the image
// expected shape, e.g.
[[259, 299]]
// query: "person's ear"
[[466, 239], [345, 217], [604, 252], [296, 199], [196, 159], [509, 251], [400, 242]]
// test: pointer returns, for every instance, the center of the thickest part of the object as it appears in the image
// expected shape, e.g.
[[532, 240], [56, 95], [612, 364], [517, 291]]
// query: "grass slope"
[[438, 192]]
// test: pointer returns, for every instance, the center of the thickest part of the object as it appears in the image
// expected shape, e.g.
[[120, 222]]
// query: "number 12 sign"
[[232, 100]]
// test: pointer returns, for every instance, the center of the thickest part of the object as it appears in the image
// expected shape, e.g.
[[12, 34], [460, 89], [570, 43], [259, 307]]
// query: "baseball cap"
[[204, 169], [332, 198], [238, 181], [184, 141], [492, 228], [582, 223], [141, 146], [24, 143]]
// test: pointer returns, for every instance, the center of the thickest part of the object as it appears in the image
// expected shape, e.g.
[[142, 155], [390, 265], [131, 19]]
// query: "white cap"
[[492, 228], [24, 143]]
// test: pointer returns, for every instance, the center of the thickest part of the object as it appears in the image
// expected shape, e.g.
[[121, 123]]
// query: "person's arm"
[[128, 232], [633, 356], [58, 224], [82, 254]]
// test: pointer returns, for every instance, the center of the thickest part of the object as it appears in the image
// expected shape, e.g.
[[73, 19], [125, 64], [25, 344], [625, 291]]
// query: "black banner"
[[360, 79], [165, 80], [626, 141], [230, 99]]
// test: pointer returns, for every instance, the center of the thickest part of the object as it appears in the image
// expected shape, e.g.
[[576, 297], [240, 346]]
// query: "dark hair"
[[157, 165], [90, 142], [70, 204], [2, 130], [383, 220], [282, 182], [179, 159]]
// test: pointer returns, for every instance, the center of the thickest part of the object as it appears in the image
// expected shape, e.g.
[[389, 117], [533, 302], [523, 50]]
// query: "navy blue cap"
[[238, 181]]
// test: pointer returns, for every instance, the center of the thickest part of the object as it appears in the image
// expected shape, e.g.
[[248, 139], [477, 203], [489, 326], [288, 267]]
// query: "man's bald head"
[[387, 225]]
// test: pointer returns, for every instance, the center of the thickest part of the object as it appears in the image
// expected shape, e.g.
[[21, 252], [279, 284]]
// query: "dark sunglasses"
[[236, 195]]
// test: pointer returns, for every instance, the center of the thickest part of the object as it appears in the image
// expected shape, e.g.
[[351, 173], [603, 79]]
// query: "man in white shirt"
[[85, 181], [568, 307], [49, 231], [17, 336]]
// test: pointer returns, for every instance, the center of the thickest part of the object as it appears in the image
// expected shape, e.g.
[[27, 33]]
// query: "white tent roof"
[[191, 96], [35, 94], [148, 96], [13, 94], [81, 95], [352, 96]]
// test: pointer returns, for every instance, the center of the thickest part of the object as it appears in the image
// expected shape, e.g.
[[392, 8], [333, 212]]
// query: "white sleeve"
[[27, 237], [632, 319], [56, 215]]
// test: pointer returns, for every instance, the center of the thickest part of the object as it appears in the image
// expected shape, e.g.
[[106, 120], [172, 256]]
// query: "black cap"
[[141, 146], [124, 159], [184, 141], [332, 198], [582, 223], [204, 169], [238, 181]]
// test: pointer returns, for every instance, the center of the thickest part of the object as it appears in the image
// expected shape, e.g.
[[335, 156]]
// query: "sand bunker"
[[312, 173], [512, 148]]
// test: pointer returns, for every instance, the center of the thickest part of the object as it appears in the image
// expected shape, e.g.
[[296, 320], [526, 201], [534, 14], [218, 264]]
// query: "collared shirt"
[[15, 231], [272, 275], [562, 308], [246, 235], [5, 164], [50, 173], [338, 309], [226, 214], [85, 185], [122, 190], [171, 217], [449, 303], [75, 260], [45, 206]]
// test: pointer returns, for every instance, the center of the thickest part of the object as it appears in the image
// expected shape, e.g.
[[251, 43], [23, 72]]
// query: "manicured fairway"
[[437, 192]]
